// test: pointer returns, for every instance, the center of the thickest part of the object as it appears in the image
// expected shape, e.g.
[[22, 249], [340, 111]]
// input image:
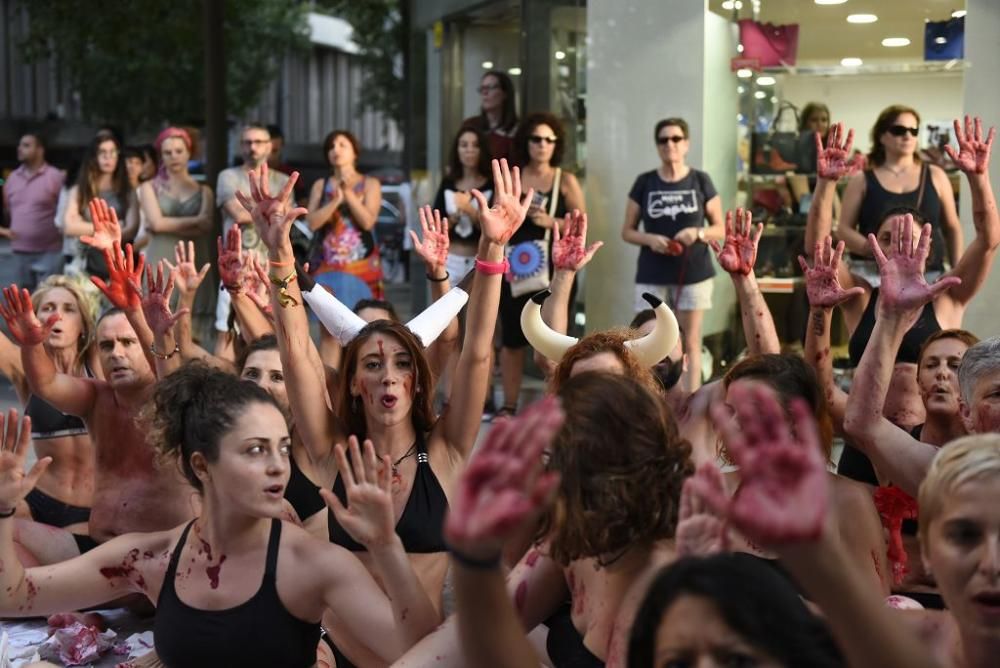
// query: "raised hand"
[[973, 155], [156, 302], [784, 485], [258, 289], [368, 517], [106, 228], [823, 286], [15, 483], [504, 487], [700, 532], [834, 162], [510, 206], [187, 277], [272, 216], [232, 260], [739, 253], [122, 272], [903, 287], [23, 324], [434, 248], [569, 248]]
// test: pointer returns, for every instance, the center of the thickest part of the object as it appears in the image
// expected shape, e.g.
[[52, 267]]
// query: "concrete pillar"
[[982, 97], [649, 60]]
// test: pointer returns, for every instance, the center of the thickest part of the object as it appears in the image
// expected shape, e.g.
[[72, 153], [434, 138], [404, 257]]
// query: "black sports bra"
[[302, 493], [47, 421], [420, 524], [259, 633]]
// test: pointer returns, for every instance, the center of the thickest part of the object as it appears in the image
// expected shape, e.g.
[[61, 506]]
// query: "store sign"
[[744, 64]]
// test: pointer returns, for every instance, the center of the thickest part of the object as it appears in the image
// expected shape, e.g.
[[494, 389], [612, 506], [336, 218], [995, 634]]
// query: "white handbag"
[[529, 260]]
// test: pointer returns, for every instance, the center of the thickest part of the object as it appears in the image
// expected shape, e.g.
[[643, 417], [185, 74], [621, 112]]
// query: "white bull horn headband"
[[649, 349]]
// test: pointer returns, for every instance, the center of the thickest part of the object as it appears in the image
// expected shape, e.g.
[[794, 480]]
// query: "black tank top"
[[878, 200], [909, 351], [302, 493], [420, 524], [258, 633]]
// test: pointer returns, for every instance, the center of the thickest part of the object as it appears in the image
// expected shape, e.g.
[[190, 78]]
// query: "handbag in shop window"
[[529, 260], [777, 151], [773, 45], [944, 40]]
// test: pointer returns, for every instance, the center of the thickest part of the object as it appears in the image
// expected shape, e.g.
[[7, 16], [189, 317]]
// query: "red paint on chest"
[[213, 573]]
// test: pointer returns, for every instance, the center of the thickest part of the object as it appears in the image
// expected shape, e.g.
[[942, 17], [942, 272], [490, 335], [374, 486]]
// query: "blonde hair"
[[961, 461], [84, 302]]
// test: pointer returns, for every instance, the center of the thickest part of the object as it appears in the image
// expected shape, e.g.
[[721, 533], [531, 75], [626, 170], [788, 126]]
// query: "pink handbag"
[[773, 45]]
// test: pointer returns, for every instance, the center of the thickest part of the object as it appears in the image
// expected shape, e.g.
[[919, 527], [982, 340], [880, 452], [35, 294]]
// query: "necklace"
[[395, 465], [895, 172]]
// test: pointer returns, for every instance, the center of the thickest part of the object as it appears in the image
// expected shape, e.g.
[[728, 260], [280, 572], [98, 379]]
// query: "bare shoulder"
[[850, 494], [308, 551]]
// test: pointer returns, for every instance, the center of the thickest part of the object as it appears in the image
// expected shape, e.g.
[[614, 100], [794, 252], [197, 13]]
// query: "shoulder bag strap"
[[554, 202], [923, 184]]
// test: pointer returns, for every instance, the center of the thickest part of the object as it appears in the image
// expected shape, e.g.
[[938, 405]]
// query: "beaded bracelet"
[[162, 356]]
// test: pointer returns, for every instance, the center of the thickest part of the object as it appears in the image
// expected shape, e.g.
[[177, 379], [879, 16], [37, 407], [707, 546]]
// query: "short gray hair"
[[979, 360]]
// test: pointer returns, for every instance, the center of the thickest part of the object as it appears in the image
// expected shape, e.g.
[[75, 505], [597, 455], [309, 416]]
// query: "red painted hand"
[[156, 302], [700, 532], [258, 287], [505, 486], [499, 223], [903, 288], [784, 489], [834, 162], [15, 483], [434, 248], [740, 251], [23, 324], [232, 260], [368, 517], [272, 216], [973, 155], [122, 272], [106, 228], [569, 248], [823, 286], [187, 277]]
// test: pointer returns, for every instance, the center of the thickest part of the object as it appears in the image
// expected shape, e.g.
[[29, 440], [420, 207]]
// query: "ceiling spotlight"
[[514, 71], [560, 55], [830, 2], [741, 90], [940, 40], [765, 81], [487, 64], [760, 95], [851, 62], [958, 13], [895, 41], [862, 18], [744, 73], [732, 4]]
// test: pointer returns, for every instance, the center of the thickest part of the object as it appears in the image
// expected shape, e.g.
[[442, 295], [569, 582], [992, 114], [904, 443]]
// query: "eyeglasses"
[[901, 130], [113, 153], [488, 88], [255, 142], [677, 139], [538, 139]]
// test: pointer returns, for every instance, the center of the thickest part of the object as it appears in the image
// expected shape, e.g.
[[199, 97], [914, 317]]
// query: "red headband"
[[171, 132]]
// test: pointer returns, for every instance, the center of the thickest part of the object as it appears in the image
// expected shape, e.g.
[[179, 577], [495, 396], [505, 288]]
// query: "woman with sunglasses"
[[896, 177], [538, 145], [673, 201]]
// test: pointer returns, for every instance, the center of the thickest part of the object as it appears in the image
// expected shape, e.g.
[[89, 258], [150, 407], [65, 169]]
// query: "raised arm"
[[11, 368], [951, 226], [462, 420], [237, 277], [737, 257], [825, 291], [784, 505], [124, 277], [903, 293], [185, 226], [70, 394], [156, 309], [187, 279], [834, 162], [975, 264], [434, 251]]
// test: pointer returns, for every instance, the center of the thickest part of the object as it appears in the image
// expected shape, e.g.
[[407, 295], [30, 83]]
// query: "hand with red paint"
[[499, 222], [823, 286], [257, 284], [15, 483], [665, 245], [569, 248], [122, 272], [505, 486], [22, 323], [232, 260], [156, 301], [973, 155], [784, 485], [187, 277], [700, 532], [739, 253], [272, 215], [107, 230], [903, 290], [834, 162], [368, 517], [434, 247]]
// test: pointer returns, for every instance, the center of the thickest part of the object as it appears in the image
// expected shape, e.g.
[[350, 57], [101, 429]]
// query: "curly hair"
[[352, 413], [622, 463], [192, 409], [608, 341]]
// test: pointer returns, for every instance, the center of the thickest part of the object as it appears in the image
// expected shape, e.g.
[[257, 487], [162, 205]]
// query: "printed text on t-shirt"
[[662, 203]]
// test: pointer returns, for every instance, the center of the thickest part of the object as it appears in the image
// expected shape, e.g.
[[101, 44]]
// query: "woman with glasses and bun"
[[497, 118], [673, 202], [896, 177]]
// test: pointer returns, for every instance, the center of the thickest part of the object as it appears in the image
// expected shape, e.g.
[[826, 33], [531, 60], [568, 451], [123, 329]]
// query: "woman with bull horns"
[[385, 387]]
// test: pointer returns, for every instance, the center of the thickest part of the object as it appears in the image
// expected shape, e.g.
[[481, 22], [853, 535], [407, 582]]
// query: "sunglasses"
[[538, 139], [677, 139], [901, 130]]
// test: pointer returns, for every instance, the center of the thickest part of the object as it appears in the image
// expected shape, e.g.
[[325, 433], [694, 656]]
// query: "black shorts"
[[47, 510], [511, 335]]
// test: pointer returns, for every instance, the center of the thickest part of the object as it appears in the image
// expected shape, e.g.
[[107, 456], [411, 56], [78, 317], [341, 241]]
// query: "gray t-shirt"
[[237, 179]]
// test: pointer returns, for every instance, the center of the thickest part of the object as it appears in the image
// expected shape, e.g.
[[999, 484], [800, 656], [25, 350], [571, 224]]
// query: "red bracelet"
[[492, 268]]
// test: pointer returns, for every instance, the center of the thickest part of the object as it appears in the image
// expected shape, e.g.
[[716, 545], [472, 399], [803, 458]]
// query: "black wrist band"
[[438, 280], [8, 513], [474, 563]]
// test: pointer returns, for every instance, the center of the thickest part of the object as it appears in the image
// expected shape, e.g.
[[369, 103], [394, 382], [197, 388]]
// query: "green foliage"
[[142, 62], [380, 34]]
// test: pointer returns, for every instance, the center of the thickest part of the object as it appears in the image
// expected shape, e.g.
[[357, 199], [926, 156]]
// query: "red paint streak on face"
[[520, 595], [533, 559], [213, 573], [381, 350]]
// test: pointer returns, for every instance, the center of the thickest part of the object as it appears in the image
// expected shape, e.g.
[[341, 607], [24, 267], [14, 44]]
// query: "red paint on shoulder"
[[532, 559]]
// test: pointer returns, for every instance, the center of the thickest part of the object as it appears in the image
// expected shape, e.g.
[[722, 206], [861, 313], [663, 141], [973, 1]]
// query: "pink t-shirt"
[[32, 199]]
